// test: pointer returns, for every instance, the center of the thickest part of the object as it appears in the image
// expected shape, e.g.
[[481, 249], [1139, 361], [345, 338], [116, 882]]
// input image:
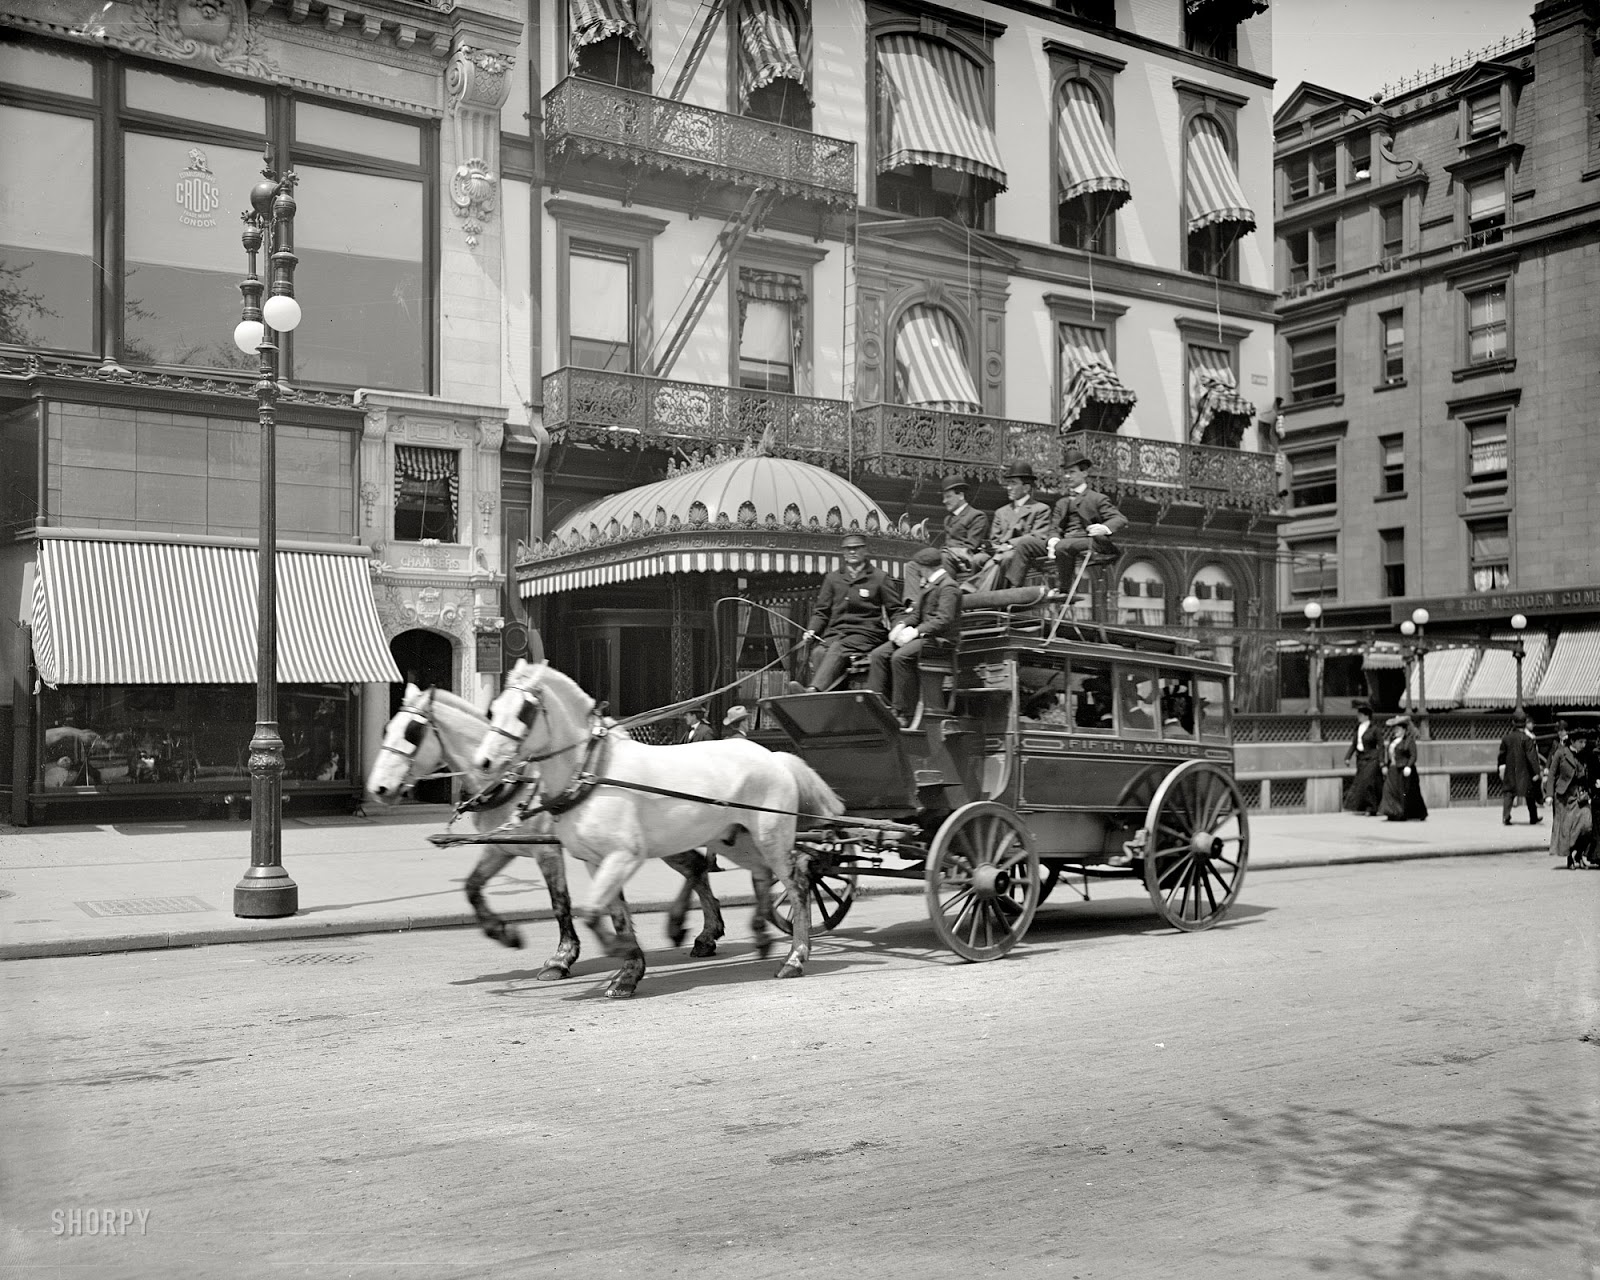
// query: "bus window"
[[1041, 690], [1211, 707], [1089, 697], [1177, 707], [1138, 700]]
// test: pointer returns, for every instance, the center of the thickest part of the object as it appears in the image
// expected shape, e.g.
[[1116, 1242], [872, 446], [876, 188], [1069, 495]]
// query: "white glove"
[[1406, 771], [1501, 770], [904, 634], [1098, 531], [1050, 547], [812, 636]]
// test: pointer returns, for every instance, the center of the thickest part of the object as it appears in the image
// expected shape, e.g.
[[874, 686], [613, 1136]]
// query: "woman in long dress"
[[1572, 836], [1367, 749], [1402, 784]]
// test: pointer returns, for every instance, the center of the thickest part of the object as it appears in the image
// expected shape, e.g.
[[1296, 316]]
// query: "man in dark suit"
[[1520, 767], [1085, 520], [851, 613], [1021, 529], [699, 730], [934, 614], [966, 532]]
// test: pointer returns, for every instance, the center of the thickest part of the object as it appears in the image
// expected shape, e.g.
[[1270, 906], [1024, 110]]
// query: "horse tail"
[[816, 796]]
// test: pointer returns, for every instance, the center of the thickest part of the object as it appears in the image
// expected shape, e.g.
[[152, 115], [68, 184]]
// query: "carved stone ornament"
[[491, 432], [201, 31], [369, 499], [374, 423], [402, 608], [472, 196], [478, 82]]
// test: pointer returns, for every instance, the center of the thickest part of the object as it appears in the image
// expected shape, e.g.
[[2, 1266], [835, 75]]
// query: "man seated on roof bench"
[[1085, 519], [935, 614], [851, 615], [1021, 529]]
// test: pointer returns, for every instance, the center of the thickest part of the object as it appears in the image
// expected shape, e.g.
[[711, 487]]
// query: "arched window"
[[773, 63], [1215, 207], [1090, 184], [931, 367], [1141, 596], [1213, 587], [609, 41]]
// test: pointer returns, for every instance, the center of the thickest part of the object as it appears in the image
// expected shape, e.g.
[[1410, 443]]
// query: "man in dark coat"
[[699, 730], [851, 614], [1085, 521], [935, 613], [1520, 767], [1021, 529], [966, 532], [1366, 749]]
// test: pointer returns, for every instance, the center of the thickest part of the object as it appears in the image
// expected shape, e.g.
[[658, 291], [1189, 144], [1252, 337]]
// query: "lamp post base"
[[265, 893]]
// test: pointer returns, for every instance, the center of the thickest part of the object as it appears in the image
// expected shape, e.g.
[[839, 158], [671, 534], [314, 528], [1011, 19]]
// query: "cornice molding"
[[599, 218]]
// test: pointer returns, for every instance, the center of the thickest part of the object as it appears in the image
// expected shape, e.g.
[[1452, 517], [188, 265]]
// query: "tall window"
[[1359, 149], [1314, 365], [606, 41], [1090, 184], [1392, 450], [1489, 553], [1210, 32], [1486, 324], [601, 302], [772, 63], [1392, 328], [1213, 587], [1314, 567], [1394, 561], [1216, 212], [1483, 114], [772, 312], [1141, 595], [1391, 221], [426, 491], [1486, 451], [1313, 253], [1486, 211], [1314, 477]]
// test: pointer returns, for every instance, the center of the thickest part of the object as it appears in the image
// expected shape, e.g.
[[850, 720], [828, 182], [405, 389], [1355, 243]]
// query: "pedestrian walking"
[[1366, 749], [1402, 783], [1571, 801], [736, 724], [699, 730], [1520, 768]]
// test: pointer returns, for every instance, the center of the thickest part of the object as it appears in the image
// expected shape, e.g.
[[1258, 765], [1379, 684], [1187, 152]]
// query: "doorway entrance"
[[426, 659]]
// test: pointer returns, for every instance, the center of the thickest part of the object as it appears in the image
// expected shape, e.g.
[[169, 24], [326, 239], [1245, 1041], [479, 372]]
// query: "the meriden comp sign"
[[1502, 604]]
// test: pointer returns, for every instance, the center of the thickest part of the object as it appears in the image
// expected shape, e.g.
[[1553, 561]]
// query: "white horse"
[[733, 795], [434, 727]]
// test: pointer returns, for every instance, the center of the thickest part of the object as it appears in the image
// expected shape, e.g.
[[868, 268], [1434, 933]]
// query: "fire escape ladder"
[[712, 271], [702, 39]]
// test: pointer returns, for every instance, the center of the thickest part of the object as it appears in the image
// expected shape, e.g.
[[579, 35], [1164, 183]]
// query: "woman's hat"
[[1399, 719], [736, 713]]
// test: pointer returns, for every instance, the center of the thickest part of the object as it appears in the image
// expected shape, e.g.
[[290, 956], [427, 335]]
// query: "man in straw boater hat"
[[851, 616], [1085, 520], [1021, 529]]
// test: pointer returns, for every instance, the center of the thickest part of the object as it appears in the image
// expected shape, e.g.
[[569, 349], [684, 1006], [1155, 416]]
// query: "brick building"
[[1439, 366]]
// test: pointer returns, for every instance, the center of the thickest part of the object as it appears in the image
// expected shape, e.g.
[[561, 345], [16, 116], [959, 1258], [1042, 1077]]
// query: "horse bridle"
[[421, 721]]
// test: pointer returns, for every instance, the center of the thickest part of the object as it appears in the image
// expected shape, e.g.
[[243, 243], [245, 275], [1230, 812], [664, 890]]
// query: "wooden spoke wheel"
[[1196, 845], [833, 892], [983, 881]]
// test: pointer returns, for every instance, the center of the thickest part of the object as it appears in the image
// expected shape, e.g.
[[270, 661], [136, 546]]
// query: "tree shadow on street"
[[1479, 1197]]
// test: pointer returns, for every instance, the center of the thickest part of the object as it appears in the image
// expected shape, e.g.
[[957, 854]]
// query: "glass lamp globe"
[[1313, 610], [247, 336], [1191, 605], [1408, 628], [1420, 617], [281, 312], [1518, 622]]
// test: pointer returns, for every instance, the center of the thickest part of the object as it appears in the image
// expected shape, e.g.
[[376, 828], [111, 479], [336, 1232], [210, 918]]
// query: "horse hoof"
[[512, 938], [621, 990], [552, 973], [790, 970], [702, 948], [676, 936]]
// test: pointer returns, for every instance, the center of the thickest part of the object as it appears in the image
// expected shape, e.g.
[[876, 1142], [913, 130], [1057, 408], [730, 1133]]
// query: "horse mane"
[[444, 696], [544, 673]]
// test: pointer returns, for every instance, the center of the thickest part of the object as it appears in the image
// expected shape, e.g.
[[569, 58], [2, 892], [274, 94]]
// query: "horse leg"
[[626, 979], [618, 938], [553, 867], [691, 865], [761, 882], [694, 867], [798, 882], [491, 864]]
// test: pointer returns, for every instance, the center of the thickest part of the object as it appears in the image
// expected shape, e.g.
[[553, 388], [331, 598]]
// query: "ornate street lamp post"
[[1313, 612], [1414, 627], [266, 891], [1518, 622]]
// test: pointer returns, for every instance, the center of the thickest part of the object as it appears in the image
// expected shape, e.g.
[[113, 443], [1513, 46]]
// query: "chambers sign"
[[1502, 604]]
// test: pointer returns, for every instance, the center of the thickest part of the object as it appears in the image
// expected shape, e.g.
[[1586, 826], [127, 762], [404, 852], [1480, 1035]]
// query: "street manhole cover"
[[142, 906], [315, 957]]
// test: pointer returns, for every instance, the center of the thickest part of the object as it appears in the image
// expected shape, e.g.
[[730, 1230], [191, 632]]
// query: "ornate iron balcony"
[[598, 119], [1166, 473], [910, 440], [627, 410]]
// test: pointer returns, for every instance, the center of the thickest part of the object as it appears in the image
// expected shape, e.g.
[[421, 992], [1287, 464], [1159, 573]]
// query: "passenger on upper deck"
[[1021, 528], [1085, 520], [935, 613], [966, 532], [851, 614]]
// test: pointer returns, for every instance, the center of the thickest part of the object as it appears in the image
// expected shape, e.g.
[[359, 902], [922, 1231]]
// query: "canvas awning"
[[1213, 391], [771, 47], [1087, 374], [1442, 676], [152, 612], [1212, 195], [930, 362], [591, 21], [933, 110], [1085, 159], [1573, 676], [1383, 656], [1494, 682]]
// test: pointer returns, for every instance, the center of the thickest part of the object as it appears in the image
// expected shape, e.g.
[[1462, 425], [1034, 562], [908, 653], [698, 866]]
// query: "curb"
[[297, 930]]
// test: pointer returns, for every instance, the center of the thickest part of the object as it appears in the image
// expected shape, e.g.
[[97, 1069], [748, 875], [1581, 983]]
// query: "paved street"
[[1381, 1070]]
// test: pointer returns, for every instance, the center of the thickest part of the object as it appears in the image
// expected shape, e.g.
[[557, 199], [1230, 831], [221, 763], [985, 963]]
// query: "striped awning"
[[1227, 10], [1085, 160], [1383, 656], [930, 362], [774, 44], [1494, 682], [412, 462], [591, 21], [1573, 676], [933, 109], [546, 580], [1088, 374], [1211, 192], [1213, 390], [1442, 675], [108, 612]]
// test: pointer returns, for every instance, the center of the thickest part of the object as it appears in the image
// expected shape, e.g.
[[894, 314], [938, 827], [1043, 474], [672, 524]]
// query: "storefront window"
[[1141, 596], [116, 736], [161, 95]]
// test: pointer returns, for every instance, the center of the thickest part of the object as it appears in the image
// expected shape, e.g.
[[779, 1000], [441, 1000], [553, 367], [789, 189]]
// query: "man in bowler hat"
[[1520, 767], [1022, 527], [935, 613], [851, 614], [1085, 520], [966, 531]]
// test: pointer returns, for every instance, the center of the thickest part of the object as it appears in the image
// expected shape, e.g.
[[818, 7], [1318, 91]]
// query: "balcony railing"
[[908, 440], [1164, 472], [635, 128], [627, 410]]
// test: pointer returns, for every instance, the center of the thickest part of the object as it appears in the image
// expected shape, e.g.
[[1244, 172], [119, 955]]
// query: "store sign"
[[1500, 605], [489, 660], [196, 193]]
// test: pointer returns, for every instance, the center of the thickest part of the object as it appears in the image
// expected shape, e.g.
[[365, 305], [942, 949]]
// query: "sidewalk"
[[76, 890]]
